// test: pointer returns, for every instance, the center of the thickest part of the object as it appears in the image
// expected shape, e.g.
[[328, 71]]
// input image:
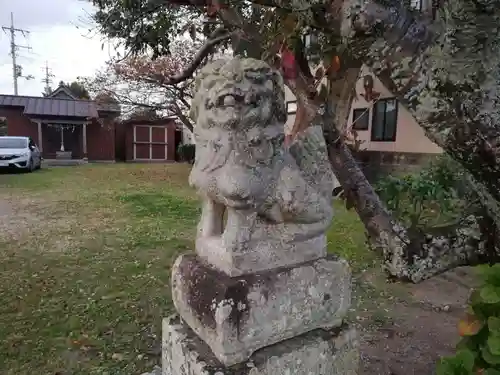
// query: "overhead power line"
[[17, 70], [48, 78]]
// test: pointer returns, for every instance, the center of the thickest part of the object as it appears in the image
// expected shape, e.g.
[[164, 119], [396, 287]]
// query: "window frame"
[[417, 5], [288, 112], [374, 118], [366, 113], [309, 39]]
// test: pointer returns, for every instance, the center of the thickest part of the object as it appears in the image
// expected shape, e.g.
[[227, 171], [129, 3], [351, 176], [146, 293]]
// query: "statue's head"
[[237, 93], [239, 113]]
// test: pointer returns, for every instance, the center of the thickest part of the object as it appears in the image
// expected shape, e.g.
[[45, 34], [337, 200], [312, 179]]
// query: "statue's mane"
[[230, 69]]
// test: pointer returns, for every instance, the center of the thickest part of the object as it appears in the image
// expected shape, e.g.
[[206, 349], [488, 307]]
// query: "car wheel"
[[31, 167]]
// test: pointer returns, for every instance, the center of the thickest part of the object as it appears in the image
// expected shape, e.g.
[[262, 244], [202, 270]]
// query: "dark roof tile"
[[51, 106]]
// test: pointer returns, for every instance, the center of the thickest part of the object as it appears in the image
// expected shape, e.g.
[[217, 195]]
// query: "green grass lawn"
[[85, 263]]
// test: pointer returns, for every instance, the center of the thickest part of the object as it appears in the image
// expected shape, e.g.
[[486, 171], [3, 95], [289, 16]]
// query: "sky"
[[59, 34]]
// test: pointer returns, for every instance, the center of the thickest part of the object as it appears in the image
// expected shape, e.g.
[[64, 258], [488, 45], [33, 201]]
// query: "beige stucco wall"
[[409, 136]]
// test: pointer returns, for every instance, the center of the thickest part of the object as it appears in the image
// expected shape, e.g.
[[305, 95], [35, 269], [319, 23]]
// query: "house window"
[[360, 118], [384, 121], [416, 4], [291, 107], [310, 41]]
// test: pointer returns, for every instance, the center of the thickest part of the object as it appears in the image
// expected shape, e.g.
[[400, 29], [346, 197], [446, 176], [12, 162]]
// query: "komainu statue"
[[264, 205]]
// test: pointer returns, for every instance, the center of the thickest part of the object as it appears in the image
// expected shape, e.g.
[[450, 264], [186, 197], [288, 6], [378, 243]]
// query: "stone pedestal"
[[319, 352], [236, 316], [64, 155]]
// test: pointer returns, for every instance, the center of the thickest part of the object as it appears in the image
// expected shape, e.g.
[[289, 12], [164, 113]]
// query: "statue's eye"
[[255, 142]]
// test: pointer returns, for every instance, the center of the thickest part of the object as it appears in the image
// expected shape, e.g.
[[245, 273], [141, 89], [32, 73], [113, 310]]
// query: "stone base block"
[[319, 352], [236, 316], [63, 155], [261, 254]]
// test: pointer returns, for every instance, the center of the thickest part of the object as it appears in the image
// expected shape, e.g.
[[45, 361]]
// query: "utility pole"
[[48, 78], [16, 69]]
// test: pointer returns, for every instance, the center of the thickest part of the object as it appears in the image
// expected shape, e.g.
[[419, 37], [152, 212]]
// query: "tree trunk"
[[408, 255], [411, 255]]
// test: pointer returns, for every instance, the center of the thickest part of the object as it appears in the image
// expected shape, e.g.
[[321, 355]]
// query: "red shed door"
[[150, 142]]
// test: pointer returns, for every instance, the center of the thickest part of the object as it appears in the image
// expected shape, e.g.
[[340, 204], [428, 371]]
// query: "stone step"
[[319, 352]]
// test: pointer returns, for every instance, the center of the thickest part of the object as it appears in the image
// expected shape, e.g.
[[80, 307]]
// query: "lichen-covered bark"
[[451, 85], [411, 255], [447, 74]]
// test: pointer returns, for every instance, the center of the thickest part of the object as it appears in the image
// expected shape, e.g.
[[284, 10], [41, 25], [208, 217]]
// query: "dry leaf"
[[469, 326], [117, 357]]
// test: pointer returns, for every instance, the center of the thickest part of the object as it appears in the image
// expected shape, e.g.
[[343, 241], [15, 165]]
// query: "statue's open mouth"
[[236, 100]]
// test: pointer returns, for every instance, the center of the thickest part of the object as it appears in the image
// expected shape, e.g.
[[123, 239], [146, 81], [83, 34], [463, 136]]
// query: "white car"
[[19, 153]]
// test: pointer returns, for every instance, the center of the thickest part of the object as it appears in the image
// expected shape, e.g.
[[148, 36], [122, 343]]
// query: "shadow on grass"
[[162, 205], [346, 238], [162, 220]]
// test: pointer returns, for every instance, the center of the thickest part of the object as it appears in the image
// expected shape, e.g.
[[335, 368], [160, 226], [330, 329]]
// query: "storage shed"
[[147, 140]]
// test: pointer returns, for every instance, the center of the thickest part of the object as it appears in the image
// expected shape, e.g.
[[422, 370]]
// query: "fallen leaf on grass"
[[117, 357]]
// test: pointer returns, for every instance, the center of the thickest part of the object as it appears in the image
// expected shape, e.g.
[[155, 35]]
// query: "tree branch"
[[200, 56], [187, 123]]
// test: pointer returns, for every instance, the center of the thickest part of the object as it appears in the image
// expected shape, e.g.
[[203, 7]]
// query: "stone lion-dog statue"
[[264, 205]]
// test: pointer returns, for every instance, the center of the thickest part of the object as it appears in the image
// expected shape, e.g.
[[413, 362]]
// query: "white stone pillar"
[[40, 141], [84, 140], [61, 129]]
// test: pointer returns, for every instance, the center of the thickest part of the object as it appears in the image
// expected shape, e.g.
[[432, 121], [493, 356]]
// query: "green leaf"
[[490, 357], [494, 344], [490, 294], [490, 274], [494, 324], [491, 371], [466, 358], [472, 343], [445, 366], [461, 364]]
